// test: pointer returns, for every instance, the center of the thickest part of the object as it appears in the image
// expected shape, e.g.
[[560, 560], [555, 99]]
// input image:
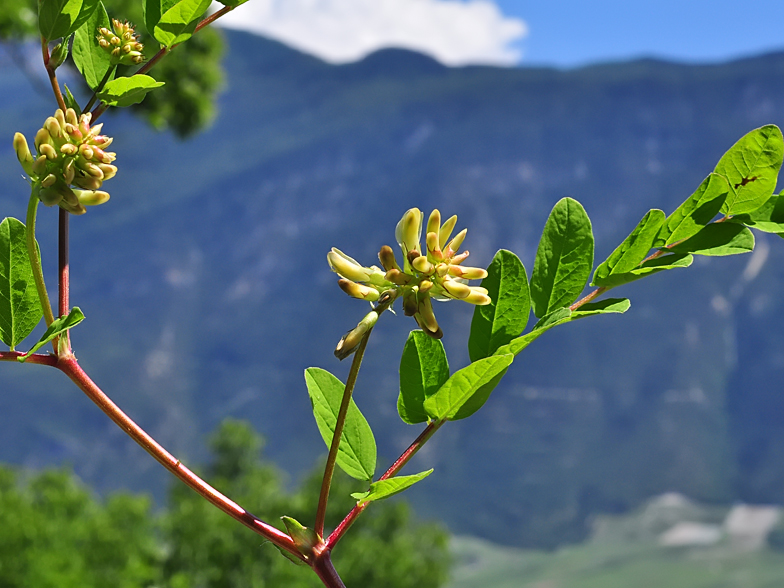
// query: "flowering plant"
[[71, 163]]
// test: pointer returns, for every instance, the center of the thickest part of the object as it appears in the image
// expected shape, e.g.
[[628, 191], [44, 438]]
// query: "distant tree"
[[208, 549], [54, 533], [192, 72]]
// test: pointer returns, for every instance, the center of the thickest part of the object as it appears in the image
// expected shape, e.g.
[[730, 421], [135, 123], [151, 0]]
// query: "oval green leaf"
[[751, 167], [653, 266], [178, 22], [20, 307], [389, 487], [634, 248], [698, 211], [60, 18], [497, 323], [423, 370], [564, 258], [124, 92], [718, 239], [468, 389], [357, 449], [92, 61], [606, 306], [768, 218]]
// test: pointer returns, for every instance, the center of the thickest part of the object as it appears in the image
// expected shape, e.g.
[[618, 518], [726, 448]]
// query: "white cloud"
[[453, 31]]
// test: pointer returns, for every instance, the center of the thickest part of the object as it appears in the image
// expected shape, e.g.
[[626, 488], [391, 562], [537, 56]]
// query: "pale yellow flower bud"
[[358, 290], [446, 230], [456, 289], [23, 153], [422, 265], [351, 340], [467, 273], [409, 231], [434, 222], [455, 244], [91, 197], [345, 266]]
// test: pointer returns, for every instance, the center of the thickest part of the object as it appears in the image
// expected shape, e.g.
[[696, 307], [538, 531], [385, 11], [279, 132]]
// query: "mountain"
[[207, 293]]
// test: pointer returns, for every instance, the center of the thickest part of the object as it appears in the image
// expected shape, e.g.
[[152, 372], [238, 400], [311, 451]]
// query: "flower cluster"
[[435, 272], [69, 152], [121, 43]]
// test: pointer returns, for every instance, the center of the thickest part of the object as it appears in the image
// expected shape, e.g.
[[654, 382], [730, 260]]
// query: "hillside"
[[207, 293]]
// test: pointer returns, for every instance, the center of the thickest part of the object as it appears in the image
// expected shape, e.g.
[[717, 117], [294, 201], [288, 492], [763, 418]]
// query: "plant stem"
[[101, 108], [35, 260], [99, 87], [64, 281], [329, 469], [401, 461], [52, 75], [37, 358], [326, 572], [590, 296], [70, 367]]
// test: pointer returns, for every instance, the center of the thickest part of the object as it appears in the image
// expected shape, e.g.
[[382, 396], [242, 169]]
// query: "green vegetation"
[[57, 534]]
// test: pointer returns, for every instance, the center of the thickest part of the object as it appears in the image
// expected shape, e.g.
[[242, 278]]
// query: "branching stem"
[[404, 458]]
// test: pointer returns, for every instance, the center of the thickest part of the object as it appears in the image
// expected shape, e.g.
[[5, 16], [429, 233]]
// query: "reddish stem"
[[52, 75], [36, 358], [70, 367], [322, 565], [64, 281], [404, 458], [590, 296]]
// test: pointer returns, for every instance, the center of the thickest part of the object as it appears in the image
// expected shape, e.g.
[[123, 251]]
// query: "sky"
[[563, 33]]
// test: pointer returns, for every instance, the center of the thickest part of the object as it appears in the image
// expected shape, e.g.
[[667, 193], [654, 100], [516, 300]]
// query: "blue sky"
[[564, 33], [572, 32]]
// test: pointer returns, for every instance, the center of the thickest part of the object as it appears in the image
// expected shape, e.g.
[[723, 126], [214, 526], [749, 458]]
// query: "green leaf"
[[718, 239], [178, 22], [423, 370], [698, 211], [654, 266], [564, 258], [20, 308], [768, 218], [305, 539], [58, 326], [555, 318], [502, 320], [70, 101], [468, 389], [389, 487], [357, 449], [634, 248], [92, 61], [233, 3], [60, 18], [751, 166], [127, 91], [606, 306]]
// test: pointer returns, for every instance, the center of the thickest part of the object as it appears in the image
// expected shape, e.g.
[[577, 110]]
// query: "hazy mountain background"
[[207, 292]]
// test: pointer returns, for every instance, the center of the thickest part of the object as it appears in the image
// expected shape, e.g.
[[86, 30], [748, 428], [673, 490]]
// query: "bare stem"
[[52, 75], [404, 458], [590, 296], [36, 358], [99, 87], [329, 469], [326, 572], [70, 367], [64, 281]]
